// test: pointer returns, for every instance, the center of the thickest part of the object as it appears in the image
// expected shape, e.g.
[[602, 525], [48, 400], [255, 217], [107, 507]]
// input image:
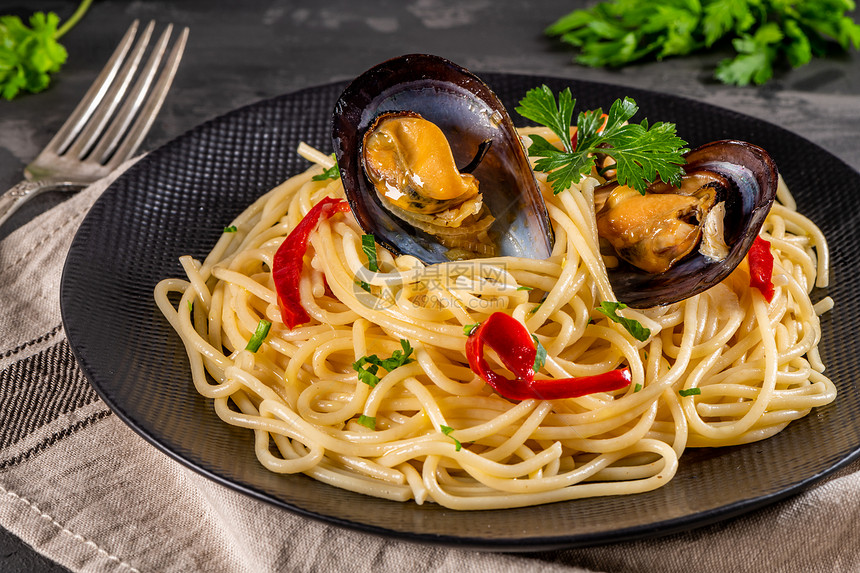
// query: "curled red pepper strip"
[[761, 267], [289, 260], [515, 348]]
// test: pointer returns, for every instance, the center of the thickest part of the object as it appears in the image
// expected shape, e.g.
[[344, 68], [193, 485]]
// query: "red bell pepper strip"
[[289, 260], [761, 267], [515, 348]]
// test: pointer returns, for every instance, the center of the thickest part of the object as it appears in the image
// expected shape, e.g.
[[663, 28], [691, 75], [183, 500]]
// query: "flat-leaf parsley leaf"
[[762, 32], [642, 153]]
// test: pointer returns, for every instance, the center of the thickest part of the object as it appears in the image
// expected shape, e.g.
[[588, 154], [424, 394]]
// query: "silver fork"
[[95, 140]]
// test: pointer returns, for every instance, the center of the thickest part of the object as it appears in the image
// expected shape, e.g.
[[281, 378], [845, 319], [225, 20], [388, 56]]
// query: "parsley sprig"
[[762, 32], [29, 55], [642, 153]]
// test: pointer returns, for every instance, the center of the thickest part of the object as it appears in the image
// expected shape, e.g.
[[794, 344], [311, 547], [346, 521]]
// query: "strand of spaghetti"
[[609, 444], [783, 195], [196, 359], [181, 322], [431, 364], [198, 283], [762, 400], [326, 352], [261, 441], [230, 243], [821, 249], [505, 500], [315, 156], [369, 468], [337, 477], [581, 212], [341, 283], [679, 421], [492, 427], [369, 444], [525, 431], [216, 310]]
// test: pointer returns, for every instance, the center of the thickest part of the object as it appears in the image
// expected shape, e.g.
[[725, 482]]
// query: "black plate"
[[178, 199]]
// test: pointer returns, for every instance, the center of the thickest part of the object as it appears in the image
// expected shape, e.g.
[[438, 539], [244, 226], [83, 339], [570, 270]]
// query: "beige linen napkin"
[[87, 492]]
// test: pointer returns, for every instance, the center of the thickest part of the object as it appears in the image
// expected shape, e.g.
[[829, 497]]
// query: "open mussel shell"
[[468, 113], [753, 177]]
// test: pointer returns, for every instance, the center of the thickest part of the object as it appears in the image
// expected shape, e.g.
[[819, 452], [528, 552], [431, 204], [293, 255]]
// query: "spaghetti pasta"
[[721, 368]]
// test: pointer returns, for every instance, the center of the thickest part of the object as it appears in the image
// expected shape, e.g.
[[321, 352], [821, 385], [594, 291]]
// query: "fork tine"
[[150, 110], [133, 102], [118, 87], [94, 95]]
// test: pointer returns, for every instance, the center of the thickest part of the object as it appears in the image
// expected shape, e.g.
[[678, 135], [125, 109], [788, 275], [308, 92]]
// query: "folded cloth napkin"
[[86, 491]]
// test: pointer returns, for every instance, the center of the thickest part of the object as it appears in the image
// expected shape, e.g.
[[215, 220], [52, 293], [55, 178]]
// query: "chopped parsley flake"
[[331, 173], [634, 327], [230, 229], [540, 355], [262, 331], [374, 363], [470, 328], [447, 431], [690, 392], [368, 421], [367, 375], [368, 245]]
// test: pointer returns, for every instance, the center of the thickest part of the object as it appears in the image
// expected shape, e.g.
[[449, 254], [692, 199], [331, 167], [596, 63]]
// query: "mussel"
[[739, 177], [419, 113]]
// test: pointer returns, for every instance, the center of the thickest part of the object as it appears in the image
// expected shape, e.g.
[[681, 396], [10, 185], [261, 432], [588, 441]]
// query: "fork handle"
[[14, 198]]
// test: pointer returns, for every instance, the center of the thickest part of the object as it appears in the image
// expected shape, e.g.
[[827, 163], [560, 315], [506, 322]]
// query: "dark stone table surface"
[[241, 52]]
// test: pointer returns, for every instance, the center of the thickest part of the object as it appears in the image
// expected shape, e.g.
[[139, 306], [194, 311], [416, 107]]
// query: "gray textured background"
[[241, 52]]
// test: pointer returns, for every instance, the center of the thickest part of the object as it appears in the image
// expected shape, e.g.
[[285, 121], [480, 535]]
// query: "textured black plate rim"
[[651, 529]]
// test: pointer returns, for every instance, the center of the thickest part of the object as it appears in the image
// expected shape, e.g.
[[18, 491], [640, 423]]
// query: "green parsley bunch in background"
[[762, 32], [28, 55]]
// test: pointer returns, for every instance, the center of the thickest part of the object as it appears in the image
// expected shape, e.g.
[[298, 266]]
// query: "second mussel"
[[420, 114], [738, 177]]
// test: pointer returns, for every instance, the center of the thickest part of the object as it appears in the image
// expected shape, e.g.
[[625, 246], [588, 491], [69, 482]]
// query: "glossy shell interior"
[[754, 178], [468, 113]]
